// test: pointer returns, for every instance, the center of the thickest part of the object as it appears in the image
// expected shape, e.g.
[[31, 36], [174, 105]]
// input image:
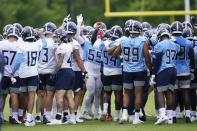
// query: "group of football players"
[[60, 65]]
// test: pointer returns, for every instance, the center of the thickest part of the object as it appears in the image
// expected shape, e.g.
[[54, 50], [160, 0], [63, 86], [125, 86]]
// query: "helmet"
[[188, 34], [49, 28], [176, 27], [5, 29], [186, 24], [28, 33], [116, 31], [86, 30], [91, 33], [64, 37], [1, 37], [37, 37], [70, 28], [161, 33], [146, 26], [135, 27], [164, 26], [147, 34], [128, 24], [107, 34], [13, 31], [18, 26], [103, 26], [58, 33]]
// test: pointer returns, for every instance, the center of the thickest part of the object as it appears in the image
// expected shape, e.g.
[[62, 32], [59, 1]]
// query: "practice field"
[[94, 125]]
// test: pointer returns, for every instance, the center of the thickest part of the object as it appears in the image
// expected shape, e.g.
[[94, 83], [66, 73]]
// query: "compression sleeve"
[[19, 59]]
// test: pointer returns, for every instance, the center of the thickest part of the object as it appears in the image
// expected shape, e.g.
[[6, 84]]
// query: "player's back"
[[47, 59], [132, 51], [183, 62]]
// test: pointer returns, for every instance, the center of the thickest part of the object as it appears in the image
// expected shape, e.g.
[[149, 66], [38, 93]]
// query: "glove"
[[13, 80], [152, 80], [192, 74], [79, 19], [67, 19], [85, 76]]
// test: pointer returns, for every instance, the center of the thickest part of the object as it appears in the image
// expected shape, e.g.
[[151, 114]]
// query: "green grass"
[[94, 125]]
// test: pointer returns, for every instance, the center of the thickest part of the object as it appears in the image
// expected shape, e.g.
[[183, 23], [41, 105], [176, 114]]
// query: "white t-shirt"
[[47, 61], [29, 65], [67, 50], [9, 51]]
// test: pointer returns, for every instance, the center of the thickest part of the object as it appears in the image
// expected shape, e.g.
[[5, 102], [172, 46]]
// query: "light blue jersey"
[[195, 53], [90, 54], [182, 62], [132, 52], [168, 50], [107, 59]]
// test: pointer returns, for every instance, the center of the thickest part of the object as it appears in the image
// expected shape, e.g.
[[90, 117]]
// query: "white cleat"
[[161, 120], [180, 115], [170, 121], [97, 116], [116, 119], [123, 119], [137, 122], [131, 118], [193, 118], [103, 117], [55, 122], [30, 123], [148, 115], [78, 120], [87, 116]]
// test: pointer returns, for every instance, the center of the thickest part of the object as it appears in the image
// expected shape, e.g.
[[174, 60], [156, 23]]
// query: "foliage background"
[[37, 12]]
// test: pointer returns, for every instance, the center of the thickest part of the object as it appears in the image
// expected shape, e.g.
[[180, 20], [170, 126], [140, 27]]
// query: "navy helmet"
[[70, 28], [5, 29], [49, 28], [103, 26], [162, 32], [164, 26], [18, 26], [186, 24], [28, 34], [64, 37], [135, 27], [147, 34], [1, 37], [188, 33], [13, 31], [90, 34], [176, 27], [146, 26], [58, 33], [128, 24], [116, 32]]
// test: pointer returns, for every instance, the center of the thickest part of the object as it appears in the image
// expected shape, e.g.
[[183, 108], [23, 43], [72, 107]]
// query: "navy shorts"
[[29, 84], [166, 79], [78, 84], [135, 79], [47, 82], [112, 83], [65, 79], [194, 81], [8, 87]]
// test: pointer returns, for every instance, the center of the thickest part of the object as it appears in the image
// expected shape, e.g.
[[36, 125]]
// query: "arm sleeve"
[[78, 37], [19, 59], [93, 39]]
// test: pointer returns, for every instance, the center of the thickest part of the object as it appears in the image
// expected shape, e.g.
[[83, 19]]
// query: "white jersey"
[[9, 51], [77, 46], [47, 60], [29, 65], [67, 50]]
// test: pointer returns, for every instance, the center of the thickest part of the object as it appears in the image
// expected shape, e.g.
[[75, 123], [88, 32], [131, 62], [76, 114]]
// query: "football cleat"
[[37, 119], [45, 120], [131, 118], [87, 116], [193, 118], [21, 119], [15, 121], [97, 116], [54, 122], [161, 120], [109, 118], [137, 122], [116, 119], [30, 123], [78, 120], [187, 120], [10, 119], [170, 121], [103, 117]]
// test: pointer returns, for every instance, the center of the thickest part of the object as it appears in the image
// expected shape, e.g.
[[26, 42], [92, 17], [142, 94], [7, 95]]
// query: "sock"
[[48, 114], [177, 109], [117, 113], [58, 116], [124, 111], [187, 113], [96, 110], [38, 114], [170, 112], [29, 117], [137, 114], [193, 113], [105, 108], [78, 110], [20, 112], [173, 113], [15, 115], [162, 111], [10, 111], [72, 116], [44, 110]]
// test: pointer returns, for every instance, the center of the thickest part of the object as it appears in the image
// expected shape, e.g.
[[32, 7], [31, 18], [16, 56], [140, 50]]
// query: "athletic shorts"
[[166, 79], [29, 84], [134, 79], [193, 84], [183, 82], [78, 83], [65, 79], [47, 82], [8, 87], [112, 83]]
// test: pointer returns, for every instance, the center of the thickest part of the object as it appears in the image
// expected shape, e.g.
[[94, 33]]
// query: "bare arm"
[[110, 51], [78, 60], [59, 63], [147, 57], [117, 52]]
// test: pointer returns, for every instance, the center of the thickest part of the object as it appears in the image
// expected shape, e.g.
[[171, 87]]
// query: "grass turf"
[[95, 125]]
